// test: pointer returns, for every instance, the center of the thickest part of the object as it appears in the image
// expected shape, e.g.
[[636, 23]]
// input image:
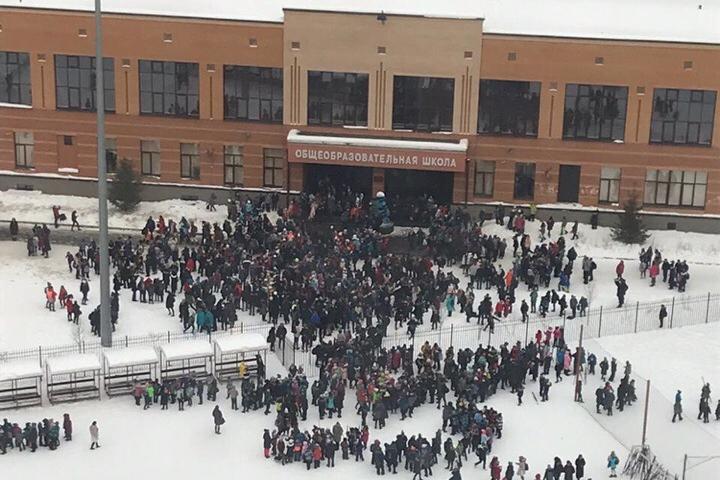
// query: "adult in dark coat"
[[217, 418]]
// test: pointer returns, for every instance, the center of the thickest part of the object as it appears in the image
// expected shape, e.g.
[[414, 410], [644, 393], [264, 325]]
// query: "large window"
[[524, 181], [595, 112], [189, 161], [423, 103], [684, 188], [509, 108], [273, 168], [336, 98], [609, 185], [253, 93], [169, 88], [484, 178], [233, 165], [75, 83], [24, 150], [683, 117], [15, 75], [111, 155], [150, 157]]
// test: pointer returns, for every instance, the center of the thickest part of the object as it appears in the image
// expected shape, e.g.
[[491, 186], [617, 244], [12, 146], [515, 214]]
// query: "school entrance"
[[569, 183], [408, 185], [319, 177]]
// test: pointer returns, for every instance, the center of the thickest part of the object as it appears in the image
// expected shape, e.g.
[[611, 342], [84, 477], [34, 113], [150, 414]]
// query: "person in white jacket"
[[94, 436]]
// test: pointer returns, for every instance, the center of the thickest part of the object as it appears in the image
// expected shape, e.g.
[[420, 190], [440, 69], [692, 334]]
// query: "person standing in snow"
[[94, 435], [613, 462], [677, 407], [662, 315], [218, 419], [75, 223]]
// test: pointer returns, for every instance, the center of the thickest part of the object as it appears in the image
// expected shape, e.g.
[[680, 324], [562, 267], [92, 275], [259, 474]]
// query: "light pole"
[[105, 321]]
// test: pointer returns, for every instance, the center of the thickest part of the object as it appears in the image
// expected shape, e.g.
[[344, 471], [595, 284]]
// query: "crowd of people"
[[43, 434]]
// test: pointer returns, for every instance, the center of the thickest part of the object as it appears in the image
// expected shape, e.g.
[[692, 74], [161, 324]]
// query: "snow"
[[295, 136], [127, 357], [245, 342], [186, 350], [660, 20], [19, 370], [14, 105], [80, 362], [68, 170]]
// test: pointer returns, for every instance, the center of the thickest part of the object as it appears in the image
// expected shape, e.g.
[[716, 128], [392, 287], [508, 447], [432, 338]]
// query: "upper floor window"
[[253, 93], [15, 75], [685, 188], [75, 83], [509, 107], [169, 88], [595, 112], [683, 117], [423, 103], [336, 98]]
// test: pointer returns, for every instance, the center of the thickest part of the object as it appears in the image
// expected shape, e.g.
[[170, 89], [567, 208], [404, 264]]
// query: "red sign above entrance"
[[405, 158]]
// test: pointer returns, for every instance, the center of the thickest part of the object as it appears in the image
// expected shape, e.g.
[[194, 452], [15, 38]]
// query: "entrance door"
[[569, 184]]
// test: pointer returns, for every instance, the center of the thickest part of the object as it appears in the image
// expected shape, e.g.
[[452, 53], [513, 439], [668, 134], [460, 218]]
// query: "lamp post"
[[105, 321]]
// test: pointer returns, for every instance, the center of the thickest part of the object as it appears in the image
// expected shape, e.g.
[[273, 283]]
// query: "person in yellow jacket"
[[242, 370]]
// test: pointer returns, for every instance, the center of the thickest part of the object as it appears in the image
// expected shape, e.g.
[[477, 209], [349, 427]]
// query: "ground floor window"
[[524, 181], [189, 161], [609, 185], [273, 167], [484, 178], [150, 157], [24, 150], [683, 188], [233, 165]]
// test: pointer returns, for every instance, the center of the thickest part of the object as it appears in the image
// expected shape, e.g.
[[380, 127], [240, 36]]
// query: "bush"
[[125, 188], [630, 228]]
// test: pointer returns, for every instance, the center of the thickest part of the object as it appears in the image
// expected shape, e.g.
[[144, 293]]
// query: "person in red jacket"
[[654, 272], [620, 269], [316, 455], [495, 469], [69, 307]]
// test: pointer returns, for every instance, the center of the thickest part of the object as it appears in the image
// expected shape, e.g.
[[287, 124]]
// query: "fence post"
[[489, 337], [637, 308], [451, 334], [126, 341], [600, 322], [707, 310], [83, 347], [168, 336], [672, 311], [40, 355], [242, 326], [527, 331]]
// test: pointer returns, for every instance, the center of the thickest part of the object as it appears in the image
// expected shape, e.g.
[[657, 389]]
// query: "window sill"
[[170, 115], [655, 206], [683, 145], [24, 168], [505, 135], [15, 105], [594, 140], [81, 110], [149, 175], [268, 122]]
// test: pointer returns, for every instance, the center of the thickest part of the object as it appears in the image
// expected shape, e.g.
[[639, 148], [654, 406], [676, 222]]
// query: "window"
[[423, 103], [68, 140], [24, 150], [189, 161], [684, 188], [111, 155], [150, 157], [233, 163], [524, 181], [169, 88], [273, 164], [336, 98], [682, 117], [484, 178], [509, 108], [609, 185], [15, 74], [253, 93], [595, 112], [75, 83]]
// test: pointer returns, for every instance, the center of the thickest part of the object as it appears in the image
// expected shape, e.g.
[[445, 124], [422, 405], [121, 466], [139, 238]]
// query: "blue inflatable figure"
[[382, 213]]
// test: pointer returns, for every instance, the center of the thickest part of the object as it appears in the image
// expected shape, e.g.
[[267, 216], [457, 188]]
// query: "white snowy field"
[[182, 445], [678, 359]]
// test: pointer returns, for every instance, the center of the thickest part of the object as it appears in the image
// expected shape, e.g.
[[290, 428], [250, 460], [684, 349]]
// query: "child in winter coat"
[[613, 462]]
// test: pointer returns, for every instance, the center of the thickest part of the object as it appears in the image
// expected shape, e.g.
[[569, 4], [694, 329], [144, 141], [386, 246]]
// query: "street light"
[[105, 320]]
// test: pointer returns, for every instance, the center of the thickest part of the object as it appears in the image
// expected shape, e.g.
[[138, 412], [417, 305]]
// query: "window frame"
[[237, 161], [578, 95], [482, 176], [169, 88], [244, 85], [527, 111], [662, 185], [661, 109], [19, 62], [607, 180], [190, 161], [27, 149], [337, 94], [152, 156], [413, 104], [274, 155], [80, 69]]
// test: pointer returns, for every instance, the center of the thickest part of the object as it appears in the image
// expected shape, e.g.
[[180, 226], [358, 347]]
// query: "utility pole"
[[105, 321], [578, 389], [645, 415]]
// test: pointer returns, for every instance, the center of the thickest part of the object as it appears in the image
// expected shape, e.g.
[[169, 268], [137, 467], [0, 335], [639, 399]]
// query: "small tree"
[[630, 228], [126, 187]]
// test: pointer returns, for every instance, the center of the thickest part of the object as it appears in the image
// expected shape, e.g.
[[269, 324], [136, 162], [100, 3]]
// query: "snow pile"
[[245, 342], [80, 362], [20, 369], [186, 350], [127, 357]]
